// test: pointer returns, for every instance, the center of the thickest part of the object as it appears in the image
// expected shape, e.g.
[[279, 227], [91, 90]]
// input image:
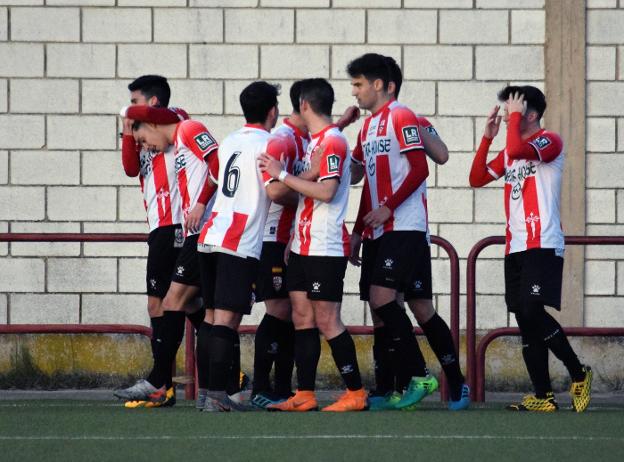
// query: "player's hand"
[[355, 243], [315, 161], [377, 217], [193, 219], [492, 124], [516, 103], [350, 115], [127, 126], [270, 165]]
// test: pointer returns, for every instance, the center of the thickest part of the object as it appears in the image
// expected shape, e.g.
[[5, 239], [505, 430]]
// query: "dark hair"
[[372, 66], [319, 94], [535, 99], [295, 94], [396, 75], [152, 85], [257, 99], [136, 125]]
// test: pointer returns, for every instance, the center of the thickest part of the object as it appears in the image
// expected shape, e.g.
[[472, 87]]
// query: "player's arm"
[[280, 149], [481, 173], [357, 162], [151, 114], [358, 229], [434, 147], [350, 115], [130, 150]]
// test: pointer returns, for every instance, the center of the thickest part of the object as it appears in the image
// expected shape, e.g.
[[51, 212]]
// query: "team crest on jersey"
[[204, 141], [411, 135], [333, 163], [541, 142]]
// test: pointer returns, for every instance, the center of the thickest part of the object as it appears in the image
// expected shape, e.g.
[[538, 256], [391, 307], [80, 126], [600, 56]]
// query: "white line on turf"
[[312, 437]]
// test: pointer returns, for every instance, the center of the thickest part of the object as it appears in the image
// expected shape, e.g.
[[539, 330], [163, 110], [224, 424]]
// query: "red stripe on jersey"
[[183, 186], [207, 225], [384, 186], [163, 194], [382, 127], [364, 131], [346, 247], [235, 232], [305, 224], [285, 224], [531, 213], [507, 230]]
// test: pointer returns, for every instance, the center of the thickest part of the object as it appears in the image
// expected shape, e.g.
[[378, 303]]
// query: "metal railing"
[[475, 360], [190, 388]]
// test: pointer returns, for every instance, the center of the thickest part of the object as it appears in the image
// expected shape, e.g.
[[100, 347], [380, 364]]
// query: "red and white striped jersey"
[[533, 194], [280, 218], [157, 176], [320, 227], [238, 216], [193, 144], [385, 138]]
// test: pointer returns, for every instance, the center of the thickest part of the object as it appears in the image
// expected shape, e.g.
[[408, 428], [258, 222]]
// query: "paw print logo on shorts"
[[535, 289], [152, 283], [316, 286], [388, 262], [417, 285], [180, 270]]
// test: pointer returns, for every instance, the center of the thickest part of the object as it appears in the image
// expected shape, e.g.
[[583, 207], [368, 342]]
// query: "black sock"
[[285, 360], [265, 352], [535, 354], [197, 318], [557, 342], [221, 345], [406, 355], [384, 376], [345, 357], [202, 355], [172, 332], [156, 324], [441, 342], [233, 383], [307, 355]]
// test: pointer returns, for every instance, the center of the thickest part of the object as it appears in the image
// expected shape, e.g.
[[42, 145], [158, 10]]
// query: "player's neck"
[[381, 102], [531, 130], [316, 123], [295, 120], [169, 131]]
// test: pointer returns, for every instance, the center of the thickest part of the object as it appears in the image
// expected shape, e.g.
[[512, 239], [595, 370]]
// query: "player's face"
[[364, 92], [136, 97], [150, 138]]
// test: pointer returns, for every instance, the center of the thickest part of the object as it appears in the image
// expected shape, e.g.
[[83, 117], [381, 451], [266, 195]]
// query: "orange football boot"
[[302, 401], [351, 400]]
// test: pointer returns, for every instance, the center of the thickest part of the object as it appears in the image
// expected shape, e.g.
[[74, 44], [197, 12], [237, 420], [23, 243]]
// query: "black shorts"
[[228, 282], [399, 260], [534, 275], [321, 277], [186, 269], [271, 282], [164, 246]]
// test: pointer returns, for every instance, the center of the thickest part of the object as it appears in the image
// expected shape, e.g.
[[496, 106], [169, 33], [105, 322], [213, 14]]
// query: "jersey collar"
[[296, 129], [256, 126], [383, 108], [322, 132]]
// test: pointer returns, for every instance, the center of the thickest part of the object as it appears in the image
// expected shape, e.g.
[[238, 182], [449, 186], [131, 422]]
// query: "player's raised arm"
[[481, 173]]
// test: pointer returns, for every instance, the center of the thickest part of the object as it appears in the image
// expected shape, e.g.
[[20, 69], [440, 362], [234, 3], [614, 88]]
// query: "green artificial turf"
[[101, 430]]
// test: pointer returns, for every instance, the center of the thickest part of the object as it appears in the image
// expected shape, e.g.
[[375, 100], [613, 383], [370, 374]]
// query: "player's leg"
[[233, 298], [208, 271]]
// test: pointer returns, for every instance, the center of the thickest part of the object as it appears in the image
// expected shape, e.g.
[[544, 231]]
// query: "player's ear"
[[391, 87], [153, 101], [378, 84]]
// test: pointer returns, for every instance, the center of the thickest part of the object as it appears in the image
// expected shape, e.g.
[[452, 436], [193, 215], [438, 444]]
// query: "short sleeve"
[[424, 124], [496, 167], [277, 147], [334, 156], [197, 138], [357, 155], [548, 146], [406, 129]]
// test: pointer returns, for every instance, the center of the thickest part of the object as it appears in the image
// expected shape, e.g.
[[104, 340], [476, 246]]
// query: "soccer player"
[[231, 240], [398, 259], [318, 256], [274, 340], [532, 164], [194, 147], [162, 202]]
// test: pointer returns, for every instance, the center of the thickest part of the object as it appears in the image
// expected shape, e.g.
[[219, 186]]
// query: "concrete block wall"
[[65, 66], [605, 147]]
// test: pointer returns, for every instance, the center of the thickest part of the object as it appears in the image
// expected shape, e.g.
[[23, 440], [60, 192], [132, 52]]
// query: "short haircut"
[[153, 85], [319, 94], [257, 99], [396, 75], [295, 95], [136, 125], [372, 66], [535, 99]]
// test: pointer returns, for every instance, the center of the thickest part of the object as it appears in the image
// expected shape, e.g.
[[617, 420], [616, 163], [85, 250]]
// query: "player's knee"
[[154, 307], [422, 309], [380, 296]]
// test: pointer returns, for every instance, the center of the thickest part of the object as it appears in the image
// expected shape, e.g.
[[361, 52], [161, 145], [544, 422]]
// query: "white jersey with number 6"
[[238, 216]]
